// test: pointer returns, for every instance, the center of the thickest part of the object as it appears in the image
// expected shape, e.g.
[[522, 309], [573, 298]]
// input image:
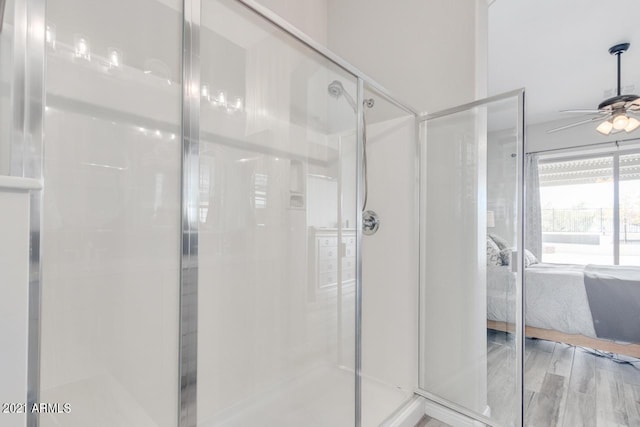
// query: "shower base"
[[324, 397]]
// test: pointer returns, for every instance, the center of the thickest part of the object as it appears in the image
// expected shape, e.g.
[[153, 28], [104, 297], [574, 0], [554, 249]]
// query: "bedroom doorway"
[[582, 351], [471, 241]]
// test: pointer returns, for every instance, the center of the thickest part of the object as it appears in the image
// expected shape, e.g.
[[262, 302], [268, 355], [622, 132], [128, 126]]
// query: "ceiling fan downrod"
[[618, 50]]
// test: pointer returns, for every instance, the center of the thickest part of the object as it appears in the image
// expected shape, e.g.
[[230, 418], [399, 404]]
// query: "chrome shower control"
[[370, 223]]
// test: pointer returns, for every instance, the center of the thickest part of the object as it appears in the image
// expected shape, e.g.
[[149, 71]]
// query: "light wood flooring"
[[565, 386]]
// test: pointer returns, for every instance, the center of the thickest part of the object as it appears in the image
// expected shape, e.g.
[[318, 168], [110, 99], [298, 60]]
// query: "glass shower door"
[[471, 241], [277, 228], [111, 213]]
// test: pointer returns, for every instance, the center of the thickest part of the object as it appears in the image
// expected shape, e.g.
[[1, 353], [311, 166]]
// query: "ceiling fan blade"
[[584, 111], [582, 122]]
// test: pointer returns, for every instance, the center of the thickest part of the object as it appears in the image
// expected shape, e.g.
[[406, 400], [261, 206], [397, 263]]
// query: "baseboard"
[[448, 416], [408, 415]]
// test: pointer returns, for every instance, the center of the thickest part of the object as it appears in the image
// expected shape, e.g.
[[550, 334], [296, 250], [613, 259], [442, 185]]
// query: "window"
[[630, 209], [583, 221]]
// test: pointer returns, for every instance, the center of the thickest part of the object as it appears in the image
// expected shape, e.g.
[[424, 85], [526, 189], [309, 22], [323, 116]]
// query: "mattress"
[[555, 297]]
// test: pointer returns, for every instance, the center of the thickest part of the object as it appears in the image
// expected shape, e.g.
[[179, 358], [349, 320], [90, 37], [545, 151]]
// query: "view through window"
[[630, 209], [578, 208]]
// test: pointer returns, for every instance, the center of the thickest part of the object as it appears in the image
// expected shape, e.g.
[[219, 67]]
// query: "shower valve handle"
[[370, 223]]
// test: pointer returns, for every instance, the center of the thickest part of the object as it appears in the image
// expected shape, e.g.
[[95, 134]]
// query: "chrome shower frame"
[[190, 192], [27, 136]]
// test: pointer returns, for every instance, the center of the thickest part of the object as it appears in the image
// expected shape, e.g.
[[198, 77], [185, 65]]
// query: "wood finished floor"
[[565, 386]]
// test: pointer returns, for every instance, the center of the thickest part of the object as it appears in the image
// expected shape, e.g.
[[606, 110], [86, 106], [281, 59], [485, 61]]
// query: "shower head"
[[336, 90]]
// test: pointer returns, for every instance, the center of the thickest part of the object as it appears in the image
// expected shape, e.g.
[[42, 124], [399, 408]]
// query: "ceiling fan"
[[619, 113]]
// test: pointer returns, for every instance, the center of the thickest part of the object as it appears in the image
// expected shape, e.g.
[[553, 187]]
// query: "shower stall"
[[197, 254]]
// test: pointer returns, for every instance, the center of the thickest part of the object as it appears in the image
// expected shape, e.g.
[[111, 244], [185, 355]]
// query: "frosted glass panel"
[[277, 229], [111, 236], [469, 218]]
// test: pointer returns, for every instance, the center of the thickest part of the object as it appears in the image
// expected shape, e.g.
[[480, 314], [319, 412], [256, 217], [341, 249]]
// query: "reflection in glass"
[[220, 100], [50, 36], [204, 91], [111, 214], [470, 231], [276, 342], [114, 57], [81, 47], [503, 396]]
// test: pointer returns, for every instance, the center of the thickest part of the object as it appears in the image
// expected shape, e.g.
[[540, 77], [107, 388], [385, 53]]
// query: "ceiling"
[[558, 51]]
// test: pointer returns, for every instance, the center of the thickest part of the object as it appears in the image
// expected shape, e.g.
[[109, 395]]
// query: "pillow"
[[529, 258], [499, 241], [493, 253]]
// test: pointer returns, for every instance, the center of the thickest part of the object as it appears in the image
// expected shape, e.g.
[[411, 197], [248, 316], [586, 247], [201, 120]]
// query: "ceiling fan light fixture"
[[620, 121], [633, 125], [605, 127], [619, 111]]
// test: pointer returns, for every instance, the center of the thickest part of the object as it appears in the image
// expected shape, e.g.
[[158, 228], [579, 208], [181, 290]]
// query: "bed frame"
[[632, 350]]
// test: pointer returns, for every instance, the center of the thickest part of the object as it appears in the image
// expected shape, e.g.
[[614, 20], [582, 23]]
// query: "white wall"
[[309, 16], [430, 54], [390, 264], [14, 307], [424, 52]]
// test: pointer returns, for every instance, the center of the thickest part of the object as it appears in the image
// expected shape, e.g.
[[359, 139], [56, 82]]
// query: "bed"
[[589, 306]]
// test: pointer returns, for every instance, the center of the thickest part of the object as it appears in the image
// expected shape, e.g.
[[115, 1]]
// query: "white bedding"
[[555, 297]]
